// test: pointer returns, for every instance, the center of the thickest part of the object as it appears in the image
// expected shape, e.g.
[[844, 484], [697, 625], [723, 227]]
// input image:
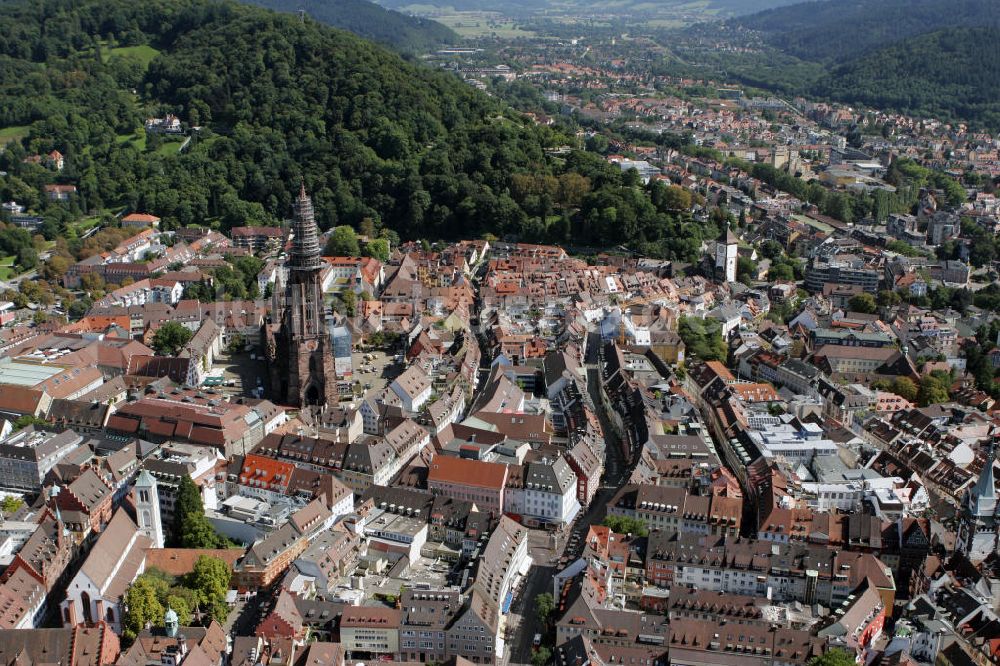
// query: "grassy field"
[[169, 147], [475, 24], [83, 226], [471, 24], [7, 267], [144, 54], [137, 139], [8, 134]]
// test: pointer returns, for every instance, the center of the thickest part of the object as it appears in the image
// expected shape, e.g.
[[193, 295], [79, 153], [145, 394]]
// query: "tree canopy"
[[703, 338], [369, 20], [626, 525], [863, 303], [383, 145], [343, 242], [834, 657], [191, 528], [143, 606], [209, 579], [170, 338]]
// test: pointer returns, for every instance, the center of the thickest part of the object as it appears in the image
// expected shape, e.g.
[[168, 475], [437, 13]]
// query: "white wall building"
[[550, 492], [147, 508], [98, 589]]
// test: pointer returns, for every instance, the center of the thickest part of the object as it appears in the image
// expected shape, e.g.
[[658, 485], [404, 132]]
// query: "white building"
[[726, 256], [147, 508], [548, 494], [413, 388], [98, 589], [795, 445]]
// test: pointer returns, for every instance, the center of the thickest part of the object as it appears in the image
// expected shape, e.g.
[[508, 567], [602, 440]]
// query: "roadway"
[[547, 549]]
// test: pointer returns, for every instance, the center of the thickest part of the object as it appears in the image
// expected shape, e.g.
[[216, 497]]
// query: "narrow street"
[[521, 623]]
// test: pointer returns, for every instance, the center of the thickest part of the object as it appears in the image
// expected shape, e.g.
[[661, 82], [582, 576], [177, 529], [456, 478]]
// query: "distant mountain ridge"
[[931, 58], [841, 30], [523, 7], [950, 73], [371, 21]]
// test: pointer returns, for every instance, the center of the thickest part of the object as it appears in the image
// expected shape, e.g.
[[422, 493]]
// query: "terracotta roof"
[[260, 471], [370, 616], [19, 596], [866, 353], [413, 382], [449, 469], [141, 217], [115, 559], [89, 488], [19, 399], [75, 646], [756, 392], [180, 561], [270, 232], [143, 365], [721, 370]]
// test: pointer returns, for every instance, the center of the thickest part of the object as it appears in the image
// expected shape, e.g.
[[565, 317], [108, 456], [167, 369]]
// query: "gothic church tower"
[[302, 369]]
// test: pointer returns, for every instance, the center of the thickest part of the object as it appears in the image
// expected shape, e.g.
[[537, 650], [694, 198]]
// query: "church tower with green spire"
[[978, 523]]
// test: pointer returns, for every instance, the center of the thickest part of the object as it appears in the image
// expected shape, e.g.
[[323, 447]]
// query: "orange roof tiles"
[[448, 469], [141, 217], [721, 370]]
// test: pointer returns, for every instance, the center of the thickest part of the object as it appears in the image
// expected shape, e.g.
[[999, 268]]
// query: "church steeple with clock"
[[302, 368], [726, 255]]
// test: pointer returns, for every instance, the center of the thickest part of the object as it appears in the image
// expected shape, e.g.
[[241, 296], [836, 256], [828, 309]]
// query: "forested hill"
[[841, 30], [269, 101], [279, 100], [953, 73], [410, 34], [930, 58]]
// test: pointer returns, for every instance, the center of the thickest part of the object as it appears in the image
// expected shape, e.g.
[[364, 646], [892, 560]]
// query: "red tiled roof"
[[19, 399], [180, 561], [449, 469], [140, 217]]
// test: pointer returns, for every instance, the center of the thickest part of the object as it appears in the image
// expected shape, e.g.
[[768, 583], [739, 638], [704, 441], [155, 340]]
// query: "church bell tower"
[[979, 527], [726, 255], [146, 499], [302, 368]]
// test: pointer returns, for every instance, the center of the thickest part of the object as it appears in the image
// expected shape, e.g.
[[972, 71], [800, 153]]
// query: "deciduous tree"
[[343, 242], [170, 338], [141, 607]]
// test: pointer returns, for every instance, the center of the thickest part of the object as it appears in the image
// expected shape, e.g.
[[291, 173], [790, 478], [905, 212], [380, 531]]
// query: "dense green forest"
[[834, 30], [268, 101], [632, 7], [953, 73], [406, 33], [921, 57]]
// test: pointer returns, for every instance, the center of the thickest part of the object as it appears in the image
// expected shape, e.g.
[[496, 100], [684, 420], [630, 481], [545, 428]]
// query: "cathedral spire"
[[305, 254]]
